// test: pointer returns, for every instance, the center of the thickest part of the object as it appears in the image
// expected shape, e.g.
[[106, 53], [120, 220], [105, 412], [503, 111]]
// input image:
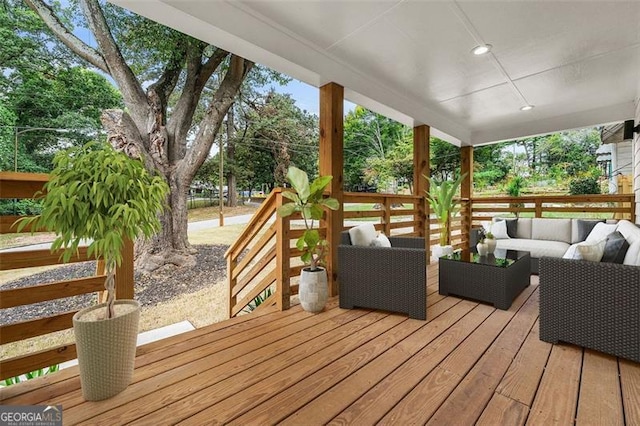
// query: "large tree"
[[176, 69]]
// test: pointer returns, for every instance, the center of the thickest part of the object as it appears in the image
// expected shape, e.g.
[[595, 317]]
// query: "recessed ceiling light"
[[526, 108], [482, 49]]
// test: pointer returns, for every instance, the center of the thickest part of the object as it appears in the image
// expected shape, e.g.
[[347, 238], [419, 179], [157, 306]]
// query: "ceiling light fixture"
[[526, 108], [481, 49]]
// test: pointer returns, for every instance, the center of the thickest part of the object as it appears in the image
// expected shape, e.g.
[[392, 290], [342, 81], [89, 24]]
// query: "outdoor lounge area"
[[554, 340], [467, 363]]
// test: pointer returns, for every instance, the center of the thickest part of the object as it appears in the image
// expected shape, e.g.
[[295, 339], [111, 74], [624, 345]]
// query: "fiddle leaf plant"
[[441, 198], [308, 200], [103, 197]]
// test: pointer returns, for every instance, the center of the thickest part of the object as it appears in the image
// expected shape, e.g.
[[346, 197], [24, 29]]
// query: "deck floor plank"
[[600, 399], [630, 384], [556, 399], [467, 364], [426, 398], [521, 381], [469, 399], [326, 406], [381, 398], [503, 411], [221, 369]]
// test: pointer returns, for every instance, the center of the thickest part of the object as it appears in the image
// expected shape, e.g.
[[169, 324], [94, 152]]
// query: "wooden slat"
[[630, 384], [21, 185], [283, 261], [407, 224], [20, 365], [294, 234], [259, 218], [33, 258], [8, 225], [259, 288], [26, 329], [40, 293], [363, 213], [520, 382], [253, 272], [503, 411], [253, 252], [556, 399], [600, 399]]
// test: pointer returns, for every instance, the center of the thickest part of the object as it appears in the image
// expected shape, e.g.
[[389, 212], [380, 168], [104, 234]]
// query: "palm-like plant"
[[308, 200], [441, 199]]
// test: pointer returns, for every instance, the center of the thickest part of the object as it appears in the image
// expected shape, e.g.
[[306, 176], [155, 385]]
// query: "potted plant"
[[308, 200], [482, 247], [441, 199], [489, 238], [102, 196]]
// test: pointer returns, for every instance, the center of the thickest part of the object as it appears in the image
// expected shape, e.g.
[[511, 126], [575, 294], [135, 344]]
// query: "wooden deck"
[[469, 363]]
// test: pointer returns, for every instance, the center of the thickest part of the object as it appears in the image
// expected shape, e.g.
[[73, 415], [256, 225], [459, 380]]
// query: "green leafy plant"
[[31, 375], [259, 300], [98, 194], [441, 198], [584, 185], [308, 200]]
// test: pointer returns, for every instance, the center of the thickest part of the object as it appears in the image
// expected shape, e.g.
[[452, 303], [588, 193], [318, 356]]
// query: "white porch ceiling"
[[578, 62]]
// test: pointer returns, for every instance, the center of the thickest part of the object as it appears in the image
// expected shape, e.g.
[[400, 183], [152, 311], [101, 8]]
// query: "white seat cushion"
[[537, 248], [363, 235], [551, 229]]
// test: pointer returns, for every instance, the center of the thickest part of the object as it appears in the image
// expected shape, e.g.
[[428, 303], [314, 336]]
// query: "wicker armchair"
[[591, 304], [391, 279]]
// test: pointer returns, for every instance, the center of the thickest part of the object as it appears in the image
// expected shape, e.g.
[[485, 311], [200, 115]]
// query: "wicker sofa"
[[594, 304], [591, 304], [387, 278]]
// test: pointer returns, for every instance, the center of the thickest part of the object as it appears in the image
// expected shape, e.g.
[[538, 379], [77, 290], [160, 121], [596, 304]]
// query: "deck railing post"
[[387, 216], [124, 273], [283, 259], [466, 191]]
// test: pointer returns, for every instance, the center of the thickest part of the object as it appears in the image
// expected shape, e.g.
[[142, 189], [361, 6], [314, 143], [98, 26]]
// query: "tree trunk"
[[232, 197]]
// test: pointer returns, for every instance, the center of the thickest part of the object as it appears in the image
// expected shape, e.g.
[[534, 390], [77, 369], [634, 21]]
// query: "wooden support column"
[[331, 163], [466, 192], [124, 273], [420, 183]]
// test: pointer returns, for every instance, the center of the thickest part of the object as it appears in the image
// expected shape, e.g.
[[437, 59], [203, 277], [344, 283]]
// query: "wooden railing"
[[25, 186], [265, 257], [574, 206]]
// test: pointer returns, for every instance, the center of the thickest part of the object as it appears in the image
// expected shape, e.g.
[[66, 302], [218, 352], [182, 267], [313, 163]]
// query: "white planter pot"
[[313, 291], [491, 244], [106, 348], [438, 251], [483, 249]]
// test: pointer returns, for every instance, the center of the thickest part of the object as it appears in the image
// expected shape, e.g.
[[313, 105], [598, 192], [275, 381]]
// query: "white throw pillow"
[[381, 241], [601, 231], [499, 230], [592, 251], [363, 235]]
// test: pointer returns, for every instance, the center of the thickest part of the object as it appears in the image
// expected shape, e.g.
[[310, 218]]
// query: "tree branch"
[[134, 97], [76, 45], [197, 76], [210, 124]]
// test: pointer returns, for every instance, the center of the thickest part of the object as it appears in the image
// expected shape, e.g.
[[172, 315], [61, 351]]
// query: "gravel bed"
[[150, 289]]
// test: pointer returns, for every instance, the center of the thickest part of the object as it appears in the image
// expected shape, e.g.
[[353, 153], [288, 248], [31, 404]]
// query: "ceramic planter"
[[106, 348], [483, 249], [491, 244], [313, 290]]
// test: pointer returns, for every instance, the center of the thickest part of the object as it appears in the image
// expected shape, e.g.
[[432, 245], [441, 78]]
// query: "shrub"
[[584, 185]]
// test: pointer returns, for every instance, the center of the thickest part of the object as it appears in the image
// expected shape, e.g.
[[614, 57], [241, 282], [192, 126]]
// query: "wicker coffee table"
[[496, 278]]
